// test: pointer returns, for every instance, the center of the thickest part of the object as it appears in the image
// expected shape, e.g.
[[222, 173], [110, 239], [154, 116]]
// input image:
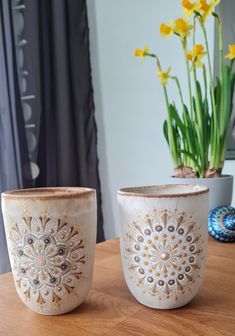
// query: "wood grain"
[[110, 309]]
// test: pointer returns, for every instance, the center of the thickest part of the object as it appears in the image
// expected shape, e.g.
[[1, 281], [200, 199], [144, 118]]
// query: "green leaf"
[[201, 148], [190, 155], [175, 116], [165, 131], [199, 107], [232, 82], [189, 129], [218, 98], [207, 124], [194, 108], [199, 92], [226, 102]]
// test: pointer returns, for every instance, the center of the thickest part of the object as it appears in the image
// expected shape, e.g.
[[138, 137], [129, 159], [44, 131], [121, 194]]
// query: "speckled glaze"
[[222, 224], [163, 242], [51, 235]]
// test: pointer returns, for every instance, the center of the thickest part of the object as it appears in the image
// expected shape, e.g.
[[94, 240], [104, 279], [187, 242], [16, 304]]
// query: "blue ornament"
[[222, 224]]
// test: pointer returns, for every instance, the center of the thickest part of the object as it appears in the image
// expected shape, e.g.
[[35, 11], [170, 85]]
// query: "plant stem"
[[205, 80], [172, 141], [220, 158], [185, 49], [175, 78], [215, 133], [186, 160], [221, 51]]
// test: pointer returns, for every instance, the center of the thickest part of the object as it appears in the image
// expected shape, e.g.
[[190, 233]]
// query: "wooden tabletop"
[[110, 308]]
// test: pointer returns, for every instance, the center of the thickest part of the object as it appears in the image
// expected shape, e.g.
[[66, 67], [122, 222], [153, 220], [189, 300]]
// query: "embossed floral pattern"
[[164, 252], [48, 258]]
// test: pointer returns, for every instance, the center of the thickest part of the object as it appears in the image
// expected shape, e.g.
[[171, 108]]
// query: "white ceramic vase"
[[220, 188], [163, 242], [51, 235]]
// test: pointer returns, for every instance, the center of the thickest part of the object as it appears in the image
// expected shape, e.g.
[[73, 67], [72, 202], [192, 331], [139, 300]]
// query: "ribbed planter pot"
[[221, 188]]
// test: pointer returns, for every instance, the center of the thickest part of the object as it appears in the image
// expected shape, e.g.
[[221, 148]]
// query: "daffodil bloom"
[[142, 53], [207, 8], [182, 27], [190, 7], [198, 50], [167, 30], [231, 54], [163, 75], [196, 55], [190, 56]]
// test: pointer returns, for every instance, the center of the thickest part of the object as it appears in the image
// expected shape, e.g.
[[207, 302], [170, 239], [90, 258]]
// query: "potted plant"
[[197, 132]]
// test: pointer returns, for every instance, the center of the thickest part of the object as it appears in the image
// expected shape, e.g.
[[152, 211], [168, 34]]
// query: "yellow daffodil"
[[198, 50], [231, 54], [207, 8], [182, 27], [142, 53], [196, 55], [189, 7], [167, 30], [190, 56], [163, 75]]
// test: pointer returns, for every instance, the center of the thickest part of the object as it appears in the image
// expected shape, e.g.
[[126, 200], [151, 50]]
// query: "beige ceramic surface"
[[163, 242], [51, 234]]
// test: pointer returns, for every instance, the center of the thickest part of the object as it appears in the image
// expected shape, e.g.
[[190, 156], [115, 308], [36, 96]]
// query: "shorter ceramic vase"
[[163, 242], [51, 235]]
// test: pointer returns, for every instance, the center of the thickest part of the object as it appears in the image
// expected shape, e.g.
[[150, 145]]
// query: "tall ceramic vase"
[[163, 242], [51, 235]]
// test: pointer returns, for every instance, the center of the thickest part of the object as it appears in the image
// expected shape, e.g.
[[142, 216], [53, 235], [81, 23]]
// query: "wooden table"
[[111, 310]]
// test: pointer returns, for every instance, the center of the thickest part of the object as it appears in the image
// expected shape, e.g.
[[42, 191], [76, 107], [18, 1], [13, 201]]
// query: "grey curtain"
[[58, 37], [14, 160]]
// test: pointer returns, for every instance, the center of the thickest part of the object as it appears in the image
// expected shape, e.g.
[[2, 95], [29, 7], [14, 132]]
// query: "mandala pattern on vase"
[[164, 253], [48, 258]]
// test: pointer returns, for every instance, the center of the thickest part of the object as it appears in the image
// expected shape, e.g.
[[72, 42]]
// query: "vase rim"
[[222, 177], [48, 193], [164, 191]]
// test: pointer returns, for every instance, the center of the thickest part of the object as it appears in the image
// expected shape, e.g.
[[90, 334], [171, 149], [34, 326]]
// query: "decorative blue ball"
[[222, 224]]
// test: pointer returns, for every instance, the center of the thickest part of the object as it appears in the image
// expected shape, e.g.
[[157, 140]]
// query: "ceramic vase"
[[163, 242], [51, 235]]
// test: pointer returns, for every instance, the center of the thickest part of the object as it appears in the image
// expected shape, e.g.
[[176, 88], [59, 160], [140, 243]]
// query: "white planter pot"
[[221, 188]]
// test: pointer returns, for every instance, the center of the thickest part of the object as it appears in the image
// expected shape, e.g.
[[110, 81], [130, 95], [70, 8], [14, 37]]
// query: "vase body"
[[51, 235], [163, 242], [220, 188]]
